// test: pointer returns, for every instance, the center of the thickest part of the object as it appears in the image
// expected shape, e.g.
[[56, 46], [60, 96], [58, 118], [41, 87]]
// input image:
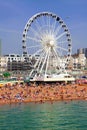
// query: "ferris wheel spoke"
[[48, 24], [43, 20], [33, 46], [57, 29], [35, 32], [38, 26], [34, 39], [61, 35], [62, 48], [62, 42], [54, 26], [38, 52]]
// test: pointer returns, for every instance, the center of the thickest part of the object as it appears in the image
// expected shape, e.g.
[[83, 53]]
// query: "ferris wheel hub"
[[48, 40], [52, 43]]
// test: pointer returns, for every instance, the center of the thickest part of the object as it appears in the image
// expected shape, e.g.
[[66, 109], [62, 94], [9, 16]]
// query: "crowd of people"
[[42, 92]]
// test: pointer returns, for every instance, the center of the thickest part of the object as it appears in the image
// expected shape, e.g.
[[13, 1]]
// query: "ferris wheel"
[[46, 39]]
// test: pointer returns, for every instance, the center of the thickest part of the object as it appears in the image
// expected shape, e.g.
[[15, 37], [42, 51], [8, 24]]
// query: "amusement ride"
[[47, 42]]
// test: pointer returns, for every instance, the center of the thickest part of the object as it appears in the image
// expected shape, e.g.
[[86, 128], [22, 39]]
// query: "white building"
[[79, 61], [3, 63], [14, 57]]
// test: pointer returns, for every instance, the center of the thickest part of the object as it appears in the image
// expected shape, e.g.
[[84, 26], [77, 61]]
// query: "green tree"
[[6, 74]]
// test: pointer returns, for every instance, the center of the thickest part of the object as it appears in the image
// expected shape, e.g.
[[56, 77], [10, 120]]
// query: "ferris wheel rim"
[[44, 14], [63, 26]]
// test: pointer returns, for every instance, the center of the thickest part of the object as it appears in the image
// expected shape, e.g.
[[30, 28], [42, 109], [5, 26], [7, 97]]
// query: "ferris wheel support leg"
[[40, 59], [34, 68], [44, 62], [47, 65], [36, 61]]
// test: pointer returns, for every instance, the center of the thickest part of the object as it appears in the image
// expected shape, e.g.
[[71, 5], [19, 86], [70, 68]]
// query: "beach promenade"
[[19, 93]]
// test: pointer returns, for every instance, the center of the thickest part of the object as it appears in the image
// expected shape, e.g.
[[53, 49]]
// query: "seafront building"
[[78, 61], [3, 63], [16, 62], [82, 50]]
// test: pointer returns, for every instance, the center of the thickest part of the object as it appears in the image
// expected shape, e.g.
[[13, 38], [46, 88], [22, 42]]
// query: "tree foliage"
[[6, 74]]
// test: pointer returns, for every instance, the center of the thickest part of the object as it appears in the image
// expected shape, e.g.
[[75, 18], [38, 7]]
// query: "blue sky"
[[14, 14]]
